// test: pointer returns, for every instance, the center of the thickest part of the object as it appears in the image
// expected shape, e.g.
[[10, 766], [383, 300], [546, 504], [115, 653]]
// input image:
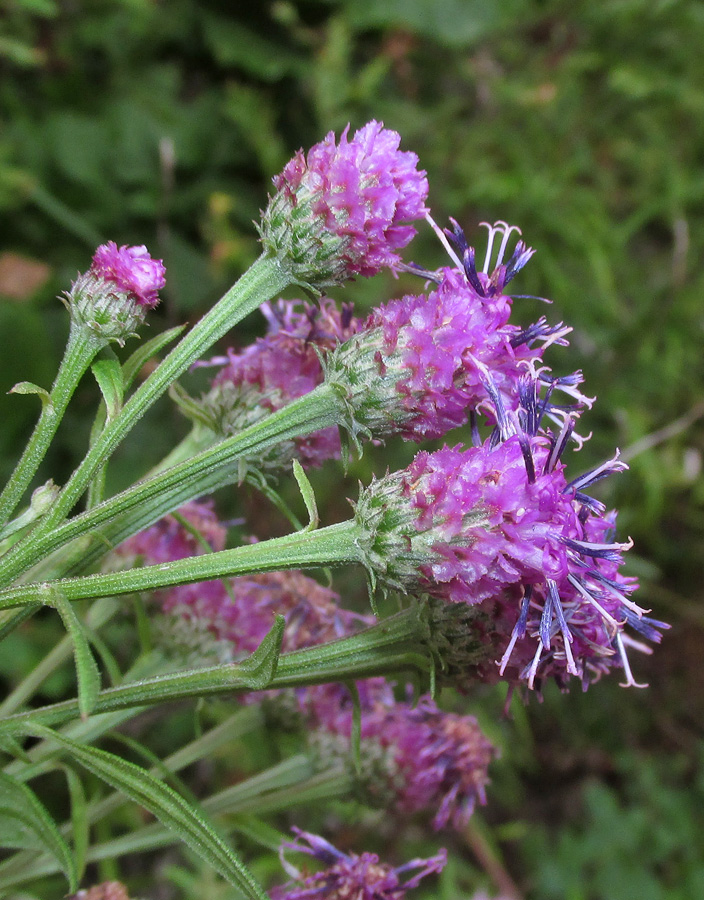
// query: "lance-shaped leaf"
[[25, 824], [189, 822], [87, 671], [108, 374]]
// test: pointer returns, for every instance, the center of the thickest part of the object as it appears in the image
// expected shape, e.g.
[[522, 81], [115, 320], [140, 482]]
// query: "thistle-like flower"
[[342, 210], [111, 299], [421, 364], [501, 520], [274, 370], [349, 876], [413, 758]]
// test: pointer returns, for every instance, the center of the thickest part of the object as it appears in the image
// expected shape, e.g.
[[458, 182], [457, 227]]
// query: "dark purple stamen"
[[645, 625], [527, 457], [611, 552], [520, 257]]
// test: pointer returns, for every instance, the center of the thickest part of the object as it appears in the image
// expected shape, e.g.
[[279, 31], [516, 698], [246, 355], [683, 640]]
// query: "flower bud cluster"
[[414, 758], [342, 210], [276, 369], [112, 298]]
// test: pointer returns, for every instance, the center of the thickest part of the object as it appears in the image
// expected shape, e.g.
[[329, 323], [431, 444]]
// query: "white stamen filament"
[[630, 680], [442, 237]]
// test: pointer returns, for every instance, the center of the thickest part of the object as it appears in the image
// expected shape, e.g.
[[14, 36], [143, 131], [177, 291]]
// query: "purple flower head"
[[275, 370], [413, 758], [349, 876], [422, 363], [500, 520], [343, 209], [113, 296]]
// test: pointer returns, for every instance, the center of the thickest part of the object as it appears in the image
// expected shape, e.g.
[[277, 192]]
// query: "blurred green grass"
[[583, 123]]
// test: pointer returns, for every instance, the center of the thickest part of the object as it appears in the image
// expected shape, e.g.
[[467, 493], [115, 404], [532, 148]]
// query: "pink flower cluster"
[[415, 757], [239, 611], [341, 210], [479, 523]]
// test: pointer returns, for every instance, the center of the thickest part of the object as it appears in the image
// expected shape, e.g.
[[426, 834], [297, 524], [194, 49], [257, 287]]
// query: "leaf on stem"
[[26, 824], [259, 669], [306, 490], [186, 820], [108, 374], [27, 387], [87, 671]]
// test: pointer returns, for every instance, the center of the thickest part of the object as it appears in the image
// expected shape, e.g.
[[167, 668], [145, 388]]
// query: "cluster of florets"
[[342, 210], [113, 296], [350, 876], [473, 525], [414, 758], [421, 364], [275, 370]]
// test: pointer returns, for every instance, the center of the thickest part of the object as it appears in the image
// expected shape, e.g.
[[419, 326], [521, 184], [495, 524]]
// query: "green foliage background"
[[162, 122]]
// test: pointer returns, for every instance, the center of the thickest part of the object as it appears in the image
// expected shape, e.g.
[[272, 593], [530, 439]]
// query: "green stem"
[[81, 348], [145, 502], [393, 645], [262, 281], [334, 545]]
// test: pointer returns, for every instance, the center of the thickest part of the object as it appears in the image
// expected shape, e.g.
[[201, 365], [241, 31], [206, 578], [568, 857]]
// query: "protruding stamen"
[[593, 475], [591, 599], [443, 240], [630, 680], [532, 671], [560, 444], [506, 231], [611, 552]]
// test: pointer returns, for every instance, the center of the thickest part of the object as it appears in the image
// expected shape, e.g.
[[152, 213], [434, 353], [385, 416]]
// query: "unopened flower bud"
[[111, 299]]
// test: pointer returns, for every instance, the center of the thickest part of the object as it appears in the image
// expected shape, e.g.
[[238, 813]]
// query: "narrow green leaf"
[[87, 671], [79, 819], [12, 747], [188, 822], [25, 824], [27, 387], [191, 408], [259, 832], [259, 669], [306, 490], [145, 352], [108, 374]]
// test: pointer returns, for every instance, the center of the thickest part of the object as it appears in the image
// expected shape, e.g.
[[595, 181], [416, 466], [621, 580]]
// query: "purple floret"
[[349, 876], [132, 270], [450, 343]]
